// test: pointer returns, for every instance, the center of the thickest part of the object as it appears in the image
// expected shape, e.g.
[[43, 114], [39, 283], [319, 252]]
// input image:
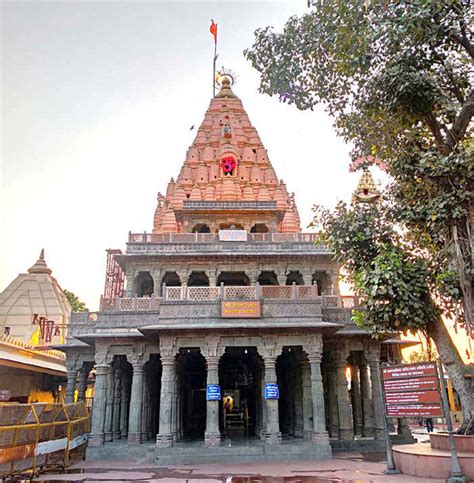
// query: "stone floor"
[[345, 467]]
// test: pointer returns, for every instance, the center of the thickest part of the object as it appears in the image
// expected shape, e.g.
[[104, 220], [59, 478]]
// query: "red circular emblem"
[[228, 164]]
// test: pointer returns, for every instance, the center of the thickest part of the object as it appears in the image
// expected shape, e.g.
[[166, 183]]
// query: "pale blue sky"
[[97, 102]]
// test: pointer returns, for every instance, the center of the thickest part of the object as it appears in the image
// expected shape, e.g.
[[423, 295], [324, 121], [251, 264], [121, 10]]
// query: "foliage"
[[395, 280], [423, 357], [76, 304], [397, 77]]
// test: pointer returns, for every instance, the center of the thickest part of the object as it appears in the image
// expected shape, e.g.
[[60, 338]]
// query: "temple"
[[231, 338]]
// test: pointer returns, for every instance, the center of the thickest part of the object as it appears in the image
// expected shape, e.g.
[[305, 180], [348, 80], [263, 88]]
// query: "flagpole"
[[214, 68]]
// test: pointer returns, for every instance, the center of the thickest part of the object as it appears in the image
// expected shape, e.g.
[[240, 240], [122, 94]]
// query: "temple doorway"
[[192, 372], [240, 376]]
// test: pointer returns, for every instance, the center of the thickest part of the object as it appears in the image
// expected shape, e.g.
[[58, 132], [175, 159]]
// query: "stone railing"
[[229, 292], [214, 237]]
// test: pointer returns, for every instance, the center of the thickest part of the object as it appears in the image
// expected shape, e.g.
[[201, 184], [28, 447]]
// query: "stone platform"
[[241, 451], [424, 461], [246, 450]]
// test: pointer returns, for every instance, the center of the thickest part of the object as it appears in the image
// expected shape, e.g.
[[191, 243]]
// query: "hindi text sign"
[[240, 309], [411, 390]]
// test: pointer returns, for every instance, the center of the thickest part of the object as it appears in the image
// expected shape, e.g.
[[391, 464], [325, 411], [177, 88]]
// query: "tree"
[[401, 287], [397, 76], [76, 304]]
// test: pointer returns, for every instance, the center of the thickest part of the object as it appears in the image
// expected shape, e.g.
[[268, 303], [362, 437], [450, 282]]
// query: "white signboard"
[[77, 441], [232, 235], [45, 447]]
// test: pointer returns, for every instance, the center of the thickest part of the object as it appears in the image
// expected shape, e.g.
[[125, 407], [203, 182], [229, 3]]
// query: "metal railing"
[[39, 437], [214, 237]]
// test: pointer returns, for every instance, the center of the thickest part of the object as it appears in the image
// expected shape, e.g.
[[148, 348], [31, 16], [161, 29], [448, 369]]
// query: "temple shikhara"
[[222, 331]]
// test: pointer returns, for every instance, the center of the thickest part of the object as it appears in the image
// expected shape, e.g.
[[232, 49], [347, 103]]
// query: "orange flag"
[[213, 30]]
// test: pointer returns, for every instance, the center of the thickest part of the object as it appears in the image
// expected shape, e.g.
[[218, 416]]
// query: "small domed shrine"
[[231, 326], [33, 308]]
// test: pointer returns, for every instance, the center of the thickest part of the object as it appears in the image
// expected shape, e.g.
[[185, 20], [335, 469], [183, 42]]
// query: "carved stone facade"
[[172, 364]]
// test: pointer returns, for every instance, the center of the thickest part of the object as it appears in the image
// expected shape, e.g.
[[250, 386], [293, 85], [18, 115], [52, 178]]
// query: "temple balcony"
[[200, 307], [232, 241]]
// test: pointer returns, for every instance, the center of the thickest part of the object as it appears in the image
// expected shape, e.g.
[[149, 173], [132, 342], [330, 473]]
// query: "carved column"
[[136, 402], [168, 363], [157, 275], [332, 402], [307, 275], [298, 393], [366, 397], [129, 284], [117, 403], [109, 405], [307, 398], [98, 411], [212, 436], [124, 405], [145, 406], [269, 354], [356, 400], [315, 353], [71, 376], [212, 275], [373, 358], [346, 431], [253, 277], [281, 276], [82, 384]]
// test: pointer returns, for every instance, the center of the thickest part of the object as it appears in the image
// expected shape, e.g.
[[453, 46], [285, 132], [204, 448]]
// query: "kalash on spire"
[[227, 180]]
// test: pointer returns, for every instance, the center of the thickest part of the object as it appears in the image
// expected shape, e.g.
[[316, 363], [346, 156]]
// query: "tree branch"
[[435, 129], [462, 121]]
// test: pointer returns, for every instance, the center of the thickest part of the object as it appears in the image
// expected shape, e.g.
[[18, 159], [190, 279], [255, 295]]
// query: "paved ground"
[[345, 467]]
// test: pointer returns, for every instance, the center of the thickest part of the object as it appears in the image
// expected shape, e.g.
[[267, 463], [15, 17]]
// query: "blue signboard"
[[271, 391], [213, 392]]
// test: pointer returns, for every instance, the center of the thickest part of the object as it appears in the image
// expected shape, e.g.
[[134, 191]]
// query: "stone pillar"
[[174, 406], [373, 358], [109, 405], [307, 399], [281, 276], [299, 415], [366, 397], [314, 349], [145, 406], [253, 277], [157, 275], [98, 411], [124, 406], [129, 284], [346, 431], [82, 384], [332, 402], [117, 403], [71, 376], [212, 275], [356, 400], [272, 432], [165, 436], [307, 275], [136, 403], [212, 436]]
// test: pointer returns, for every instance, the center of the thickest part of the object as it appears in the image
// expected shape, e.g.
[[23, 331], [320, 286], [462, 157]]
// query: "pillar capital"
[[270, 347], [314, 347], [167, 348], [212, 362]]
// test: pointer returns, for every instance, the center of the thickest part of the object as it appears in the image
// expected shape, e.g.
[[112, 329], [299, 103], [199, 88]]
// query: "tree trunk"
[[455, 369]]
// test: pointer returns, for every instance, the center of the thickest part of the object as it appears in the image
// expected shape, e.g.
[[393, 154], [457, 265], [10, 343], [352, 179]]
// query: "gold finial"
[[366, 191]]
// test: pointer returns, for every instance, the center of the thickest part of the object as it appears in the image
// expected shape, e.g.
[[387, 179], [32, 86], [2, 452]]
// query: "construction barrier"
[[41, 437]]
